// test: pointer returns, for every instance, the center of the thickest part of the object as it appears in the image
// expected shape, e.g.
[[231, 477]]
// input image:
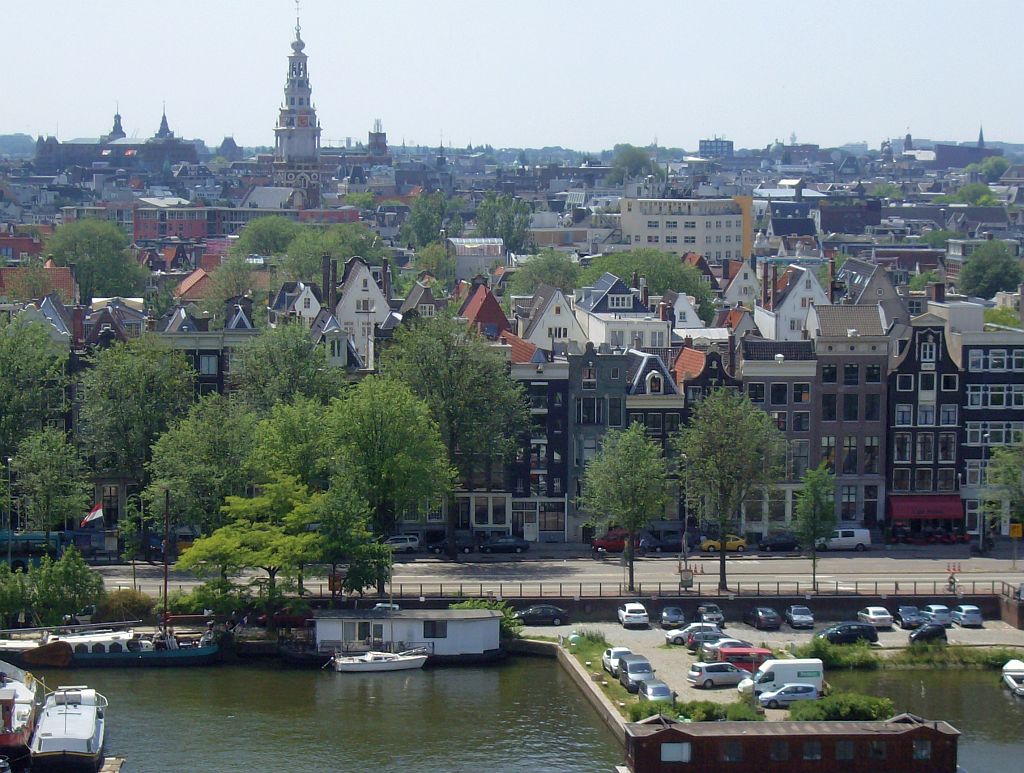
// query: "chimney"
[[325, 268], [643, 292], [732, 352], [725, 271], [937, 292], [688, 342], [753, 263], [78, 324], [663, 311], [333, 296], [775, 282], [636, 280], [386, 278], [764, 285]]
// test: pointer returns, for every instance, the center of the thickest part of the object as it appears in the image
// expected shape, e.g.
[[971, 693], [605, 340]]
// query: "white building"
[[362, 305], [711, 227], [784, 316]]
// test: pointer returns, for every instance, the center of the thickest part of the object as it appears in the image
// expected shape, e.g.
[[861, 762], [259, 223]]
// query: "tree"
[[284, 363], [201, 460], [625, 485], [922, 280], [1002, 315], [976, 194], [390, 450], [630, 161], [505, 217], [231, 279], [434, 258], [64, 586], [549, 267], [989, 269], [291, 440], [937, 239], [888, 191], [304, 256], [816, 512], [32, 380], [428, 214], [50, 480], [15, 594], [133, 393], [663, 271], [99, 250], [363, 200], [1004, 478], [480, 411], [729, 449], [269, 235], [993, 168]]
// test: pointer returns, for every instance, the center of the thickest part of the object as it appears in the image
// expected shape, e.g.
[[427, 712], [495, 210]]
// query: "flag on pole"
[[95, 514]]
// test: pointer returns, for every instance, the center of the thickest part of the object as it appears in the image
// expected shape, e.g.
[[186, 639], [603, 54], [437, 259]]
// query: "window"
[[435, 629], [828, 450], [801, 421], [755, 392], [872, 407], [828, 374], [873, 374], [654, 422], [614, 373], [689, 240], [871, 453], [947, 447], [589, 377], [779, 751], [844, 750], [676, 752], [901, 447], [801, 393], [671, 239], [870, 503], [901, 479], [208, 365], [926, 414], [671, 223], [925, 448], [949, 382], [620, 301], [652, 223], [927, 382], [976, 360], [997, 359], [850, 407], [732, 751], [689, 224], [779, 417], [922, 749], [851, 375], [671, 423], [653, 239], [947, 415], [614, 411], [828, 407], [876, 749], [945, 479], [905, 382], [799, 454], [927, 351], [364, 305], [590, 410], [923, 479], [779, 393], [850, 455], [812, 750]]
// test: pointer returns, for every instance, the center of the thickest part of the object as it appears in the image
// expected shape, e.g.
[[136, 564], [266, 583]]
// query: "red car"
[[614, 541]]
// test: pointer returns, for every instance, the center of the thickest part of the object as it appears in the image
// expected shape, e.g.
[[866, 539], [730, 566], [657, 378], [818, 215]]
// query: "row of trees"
[[49, 591]]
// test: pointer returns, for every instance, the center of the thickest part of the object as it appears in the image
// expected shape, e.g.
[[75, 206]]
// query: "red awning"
[[947, 507]]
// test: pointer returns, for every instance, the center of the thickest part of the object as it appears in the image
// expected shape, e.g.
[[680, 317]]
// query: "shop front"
[[926, 519]]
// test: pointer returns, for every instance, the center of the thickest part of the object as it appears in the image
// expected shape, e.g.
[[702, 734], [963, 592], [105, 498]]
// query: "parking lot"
[[672, 662]]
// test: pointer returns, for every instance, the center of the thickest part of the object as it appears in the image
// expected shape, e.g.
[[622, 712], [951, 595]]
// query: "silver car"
[[965, 615], [787, 694], [654, 690], [708, 675], [938, 614], [680, 635]]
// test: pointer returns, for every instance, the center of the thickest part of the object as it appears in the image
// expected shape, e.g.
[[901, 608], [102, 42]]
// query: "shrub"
[[842, 706], [590, 636], [742, 711], [939, 655], [510, 624], [223, 597], [859, 655], [702, 711], [126, 604], [644, 709]]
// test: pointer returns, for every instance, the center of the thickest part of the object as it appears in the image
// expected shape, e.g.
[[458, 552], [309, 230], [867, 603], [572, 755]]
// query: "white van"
[[774, 673], [847, 539]]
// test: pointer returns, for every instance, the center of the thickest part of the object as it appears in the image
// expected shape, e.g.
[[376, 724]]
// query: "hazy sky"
[[521, 73]]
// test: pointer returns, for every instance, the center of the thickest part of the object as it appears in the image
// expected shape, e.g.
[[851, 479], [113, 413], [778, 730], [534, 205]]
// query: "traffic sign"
[[1016, 530]]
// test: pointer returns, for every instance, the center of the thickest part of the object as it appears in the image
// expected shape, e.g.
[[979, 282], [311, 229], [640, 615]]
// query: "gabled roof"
[[483, 312], [178, 320], [639, 365], [59, 279], [53, 308], [593, 299], [193, 287], [522, 351], [290, 292], [689, 364], [542, 298]]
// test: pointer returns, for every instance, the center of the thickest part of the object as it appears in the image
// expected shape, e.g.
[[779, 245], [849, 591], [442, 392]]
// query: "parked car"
[[708, 675], [847, 539], [698, 638], [781, 541], [610, 659], [633, 614], [732, 542], [506, 543], [799, 616], [763, 618], [543, 614], [708, 651], [386, 606], [908, 617], [965, 615], [634, 669], [849, 633], [403, 543], [929, 632], [876, 616], [679, 636], [462, 545], [937, 613], [664, 542], [654, 690], [672, 617], [709, 612], [787, 694], [614, 541]]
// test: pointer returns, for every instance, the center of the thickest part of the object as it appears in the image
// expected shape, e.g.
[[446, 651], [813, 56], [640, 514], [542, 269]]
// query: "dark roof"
[[793, 226], [541, 299], [895, 726], [765, 349], [838, 321], [290, 291]]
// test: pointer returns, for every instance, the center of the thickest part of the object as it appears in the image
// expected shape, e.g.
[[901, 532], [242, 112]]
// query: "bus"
[[27, 548]]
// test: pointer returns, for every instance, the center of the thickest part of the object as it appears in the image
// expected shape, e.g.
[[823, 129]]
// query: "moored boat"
[[19, 702], [71, 730], [1013, 677], [123, 648], [379, 661]]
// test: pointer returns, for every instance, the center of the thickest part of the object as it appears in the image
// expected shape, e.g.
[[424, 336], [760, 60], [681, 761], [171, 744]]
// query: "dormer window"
[[928, 351], [654, 384], [620, 301]]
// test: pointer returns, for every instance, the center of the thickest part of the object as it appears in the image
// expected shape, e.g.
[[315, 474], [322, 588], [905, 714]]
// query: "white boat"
[[379, 661], [1013, 677], [71, 730], [19, 702]]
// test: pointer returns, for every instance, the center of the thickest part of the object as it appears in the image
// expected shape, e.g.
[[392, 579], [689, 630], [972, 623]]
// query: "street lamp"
[[10, 531], [983, 478]]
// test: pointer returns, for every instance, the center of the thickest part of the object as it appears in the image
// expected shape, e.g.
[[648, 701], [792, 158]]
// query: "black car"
[[928, 632], [505, 544], [908, 617], [779, 542], [462, 545], [849, 633], [543, 614], [672, 617], [762, 618]]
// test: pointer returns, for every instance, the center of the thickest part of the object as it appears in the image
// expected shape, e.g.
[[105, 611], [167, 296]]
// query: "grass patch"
[[850, 656], [842, 706], [953, 656]]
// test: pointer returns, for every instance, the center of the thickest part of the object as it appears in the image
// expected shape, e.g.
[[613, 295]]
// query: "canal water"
[[522, 715], [990, 719]]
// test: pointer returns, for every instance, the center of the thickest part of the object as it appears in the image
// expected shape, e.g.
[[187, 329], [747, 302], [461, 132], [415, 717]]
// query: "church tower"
[[297, 134]]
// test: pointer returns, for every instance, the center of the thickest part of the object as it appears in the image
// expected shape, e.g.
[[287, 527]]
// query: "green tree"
[[888, 191], [435, 259], [304, 256], [32, 380], [510, 625], [231, 279], [99, 250], [989, 269], [428, 214], [816, 512], [63, 587], [729, 449], [390, 450], [1002, 315], [625, 485], [291, 440], [269, 235], [663, 270], [480, 411], [976, 194], [201, 460], [922, 280], [504, 217], [15, 594], [630, 161], [363, 200], [549, 267], [993, 168], [50, 480], [937, 239], [133, 393], [284, 363], [1004, 478]]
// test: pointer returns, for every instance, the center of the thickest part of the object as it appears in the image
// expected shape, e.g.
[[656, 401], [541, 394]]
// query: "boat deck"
[[112, 765]]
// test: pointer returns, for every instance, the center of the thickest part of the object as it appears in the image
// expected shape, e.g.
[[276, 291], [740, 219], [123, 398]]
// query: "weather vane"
[[298, 27]]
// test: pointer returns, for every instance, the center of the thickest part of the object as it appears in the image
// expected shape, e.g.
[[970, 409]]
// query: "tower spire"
[[981, 136], [298, 26]]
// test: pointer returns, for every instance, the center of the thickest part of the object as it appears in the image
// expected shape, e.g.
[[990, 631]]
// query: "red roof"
[[483, 312], [689, 364], [209, 261], [522, 351], [59, 280], [193, 287]]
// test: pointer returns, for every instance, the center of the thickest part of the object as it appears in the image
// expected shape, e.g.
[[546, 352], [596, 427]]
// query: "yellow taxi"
[[732, 542]]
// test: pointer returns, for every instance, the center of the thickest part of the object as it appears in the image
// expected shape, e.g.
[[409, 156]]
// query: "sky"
[[520, 73]]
